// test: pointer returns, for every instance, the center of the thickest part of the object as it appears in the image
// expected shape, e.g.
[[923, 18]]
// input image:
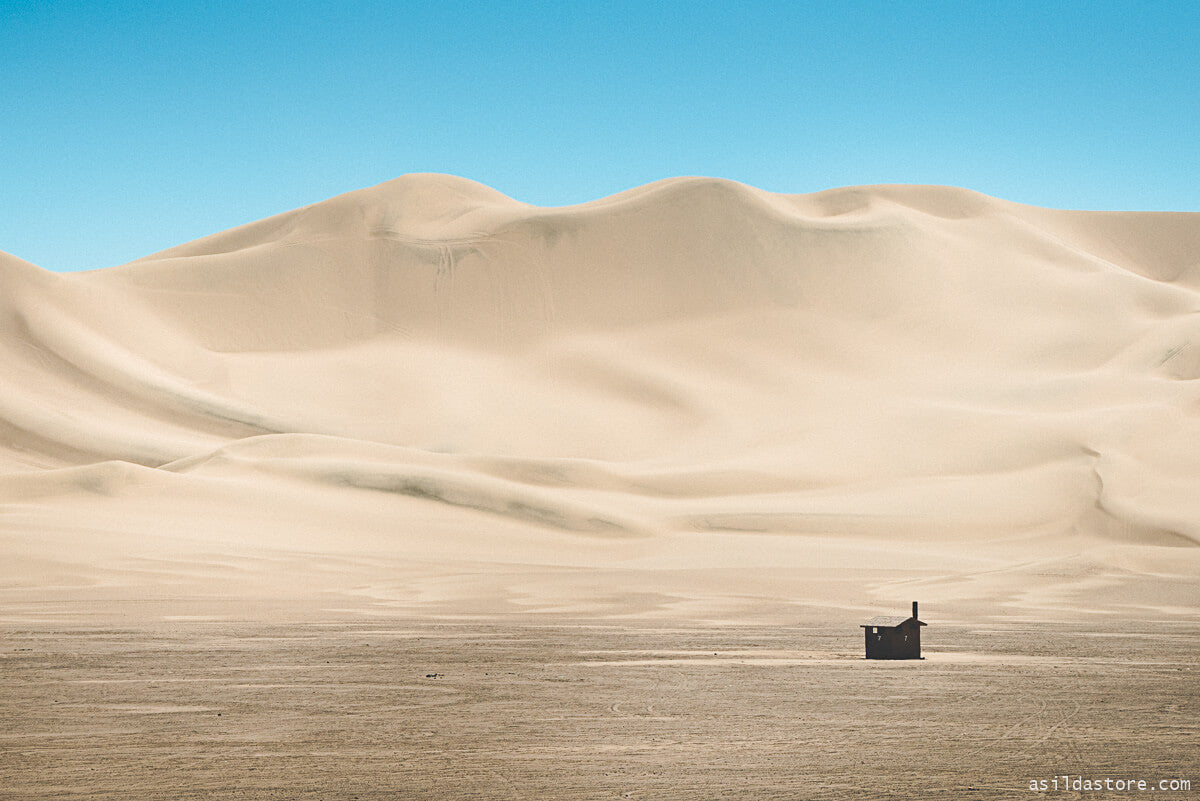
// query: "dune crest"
[[743, 401]]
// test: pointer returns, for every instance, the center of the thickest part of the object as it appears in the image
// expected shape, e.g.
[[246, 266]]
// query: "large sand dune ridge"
[[693, 398]]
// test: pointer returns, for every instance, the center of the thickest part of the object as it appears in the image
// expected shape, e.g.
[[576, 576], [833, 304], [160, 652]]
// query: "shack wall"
[[893, 642]]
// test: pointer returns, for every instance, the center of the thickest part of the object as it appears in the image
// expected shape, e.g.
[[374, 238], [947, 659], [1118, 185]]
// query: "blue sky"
[[126, 128]]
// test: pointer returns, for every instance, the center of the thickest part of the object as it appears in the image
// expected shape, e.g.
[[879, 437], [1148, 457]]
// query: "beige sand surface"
[[317, 711], [694, 401]]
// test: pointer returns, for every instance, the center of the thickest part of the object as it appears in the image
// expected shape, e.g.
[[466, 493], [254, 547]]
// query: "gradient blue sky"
[[126, 128]]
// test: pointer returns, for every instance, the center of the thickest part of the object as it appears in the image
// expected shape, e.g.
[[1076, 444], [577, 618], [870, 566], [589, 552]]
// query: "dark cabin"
[[894, 636]]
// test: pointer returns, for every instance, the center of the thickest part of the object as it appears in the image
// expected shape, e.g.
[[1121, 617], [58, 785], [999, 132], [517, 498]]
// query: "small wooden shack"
[[894, 636]]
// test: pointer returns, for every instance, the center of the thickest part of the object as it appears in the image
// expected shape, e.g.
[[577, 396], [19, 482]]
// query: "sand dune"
[[693, 398]]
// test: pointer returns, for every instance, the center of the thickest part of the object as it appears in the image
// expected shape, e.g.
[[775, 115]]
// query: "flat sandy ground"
[[395, 709]]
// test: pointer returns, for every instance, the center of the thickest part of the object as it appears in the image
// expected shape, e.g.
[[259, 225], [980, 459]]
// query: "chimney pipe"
[[915, 610]]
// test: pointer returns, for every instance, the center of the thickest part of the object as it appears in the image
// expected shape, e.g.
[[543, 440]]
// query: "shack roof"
[[891, 621]]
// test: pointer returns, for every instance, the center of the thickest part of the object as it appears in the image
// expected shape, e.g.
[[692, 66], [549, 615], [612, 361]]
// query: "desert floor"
[[184, 707]]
